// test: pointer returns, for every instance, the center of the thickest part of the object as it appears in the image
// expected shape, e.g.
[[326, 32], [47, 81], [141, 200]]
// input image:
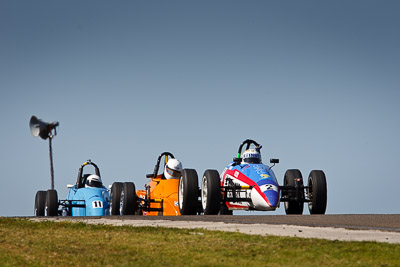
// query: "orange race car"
[[161, 196]]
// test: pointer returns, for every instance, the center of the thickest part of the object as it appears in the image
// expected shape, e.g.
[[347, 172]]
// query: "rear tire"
[[317, 192], [210, 192], [293, 206], [40, 203], [128, 201], [51, 203], [115, 198], [188, 192]]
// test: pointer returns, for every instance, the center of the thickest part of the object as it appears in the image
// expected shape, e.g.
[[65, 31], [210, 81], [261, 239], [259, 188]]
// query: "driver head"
[[173, 169], [93, 180], [251, 156]]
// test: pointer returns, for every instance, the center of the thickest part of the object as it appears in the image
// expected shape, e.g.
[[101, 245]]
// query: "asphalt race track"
[[348, 227], [385, 222]]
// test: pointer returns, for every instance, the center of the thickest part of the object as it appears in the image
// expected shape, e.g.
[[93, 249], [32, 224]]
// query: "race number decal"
[[97, 204], [267, 187]]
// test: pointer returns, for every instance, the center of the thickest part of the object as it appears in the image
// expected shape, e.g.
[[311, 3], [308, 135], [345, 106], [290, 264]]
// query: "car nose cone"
[[265, 198], [272, 197], [271, 193]]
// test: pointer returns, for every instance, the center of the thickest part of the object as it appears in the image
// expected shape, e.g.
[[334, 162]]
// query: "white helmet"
[[93, 180], [251, 156], [173, 169]]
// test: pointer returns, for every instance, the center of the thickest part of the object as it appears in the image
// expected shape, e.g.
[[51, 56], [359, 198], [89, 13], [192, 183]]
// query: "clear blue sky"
[[317, 83]]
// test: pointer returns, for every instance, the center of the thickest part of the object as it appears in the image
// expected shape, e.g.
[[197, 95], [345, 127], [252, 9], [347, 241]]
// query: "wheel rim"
[[121, 203], [204, 193], [111, 203], [310, 194], [180, 193]]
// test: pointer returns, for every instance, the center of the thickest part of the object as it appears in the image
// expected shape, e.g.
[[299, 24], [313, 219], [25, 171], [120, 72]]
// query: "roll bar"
[[157, 167], [248, 143], [80, 172]]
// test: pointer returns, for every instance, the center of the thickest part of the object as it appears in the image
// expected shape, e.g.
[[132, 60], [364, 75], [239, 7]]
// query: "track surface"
[[382, 222], [362, 227]]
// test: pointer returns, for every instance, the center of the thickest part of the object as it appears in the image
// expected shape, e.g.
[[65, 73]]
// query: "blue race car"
[[248, 184], [88, 197]]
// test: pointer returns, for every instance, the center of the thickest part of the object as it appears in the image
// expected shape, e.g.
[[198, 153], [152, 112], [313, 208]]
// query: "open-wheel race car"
[[161, 196], [248, 184], [88, 197]]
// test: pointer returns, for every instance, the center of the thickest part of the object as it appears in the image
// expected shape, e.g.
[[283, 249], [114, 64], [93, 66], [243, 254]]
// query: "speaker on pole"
[[41, 128], [44, 130]]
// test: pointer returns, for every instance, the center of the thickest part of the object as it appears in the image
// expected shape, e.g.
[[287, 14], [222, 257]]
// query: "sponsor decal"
[[240, 194], [236, 174], [264, 175], [260, 169], [176, 203]]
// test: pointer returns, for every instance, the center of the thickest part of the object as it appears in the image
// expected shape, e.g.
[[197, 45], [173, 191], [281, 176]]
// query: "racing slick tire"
[[188, 192], [40, 203], [115, 198], [51, 203], [210, 192], [139, 212], [294, 206], [317, 192], [128, 202], [223, 210]]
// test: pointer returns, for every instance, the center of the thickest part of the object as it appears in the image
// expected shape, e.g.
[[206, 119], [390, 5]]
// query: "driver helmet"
[[173, 169], [251, 156], [93, 180]]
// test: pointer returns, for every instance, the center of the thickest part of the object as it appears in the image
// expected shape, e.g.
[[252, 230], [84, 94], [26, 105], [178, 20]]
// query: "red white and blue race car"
[[248, 184]]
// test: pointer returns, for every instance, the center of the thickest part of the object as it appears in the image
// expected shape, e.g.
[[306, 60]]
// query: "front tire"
[[294, 206], [40, 203], [128, 202], [210, 192], [223, 210], [51, 203], [115, 198], [188, 192], [317, 192]]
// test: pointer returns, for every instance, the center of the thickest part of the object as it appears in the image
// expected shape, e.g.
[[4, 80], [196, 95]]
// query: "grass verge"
[[26, 243]]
